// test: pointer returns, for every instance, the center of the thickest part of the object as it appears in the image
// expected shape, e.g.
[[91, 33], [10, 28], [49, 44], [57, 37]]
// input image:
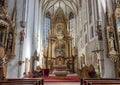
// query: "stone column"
[[49, 43], [68, 27], [52, 23], [70, 51]]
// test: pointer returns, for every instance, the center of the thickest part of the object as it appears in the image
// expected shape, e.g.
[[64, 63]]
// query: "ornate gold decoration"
[[2, 52], [59, 49], [118, 3], [113, 55], [3, 62], [3, 25], [11, 36], [74, 52], [45, 51], [112, 36]]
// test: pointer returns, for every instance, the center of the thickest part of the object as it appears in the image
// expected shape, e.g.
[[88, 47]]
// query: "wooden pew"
[[40, 81], [17, 83], [114, 82], [90, 81]]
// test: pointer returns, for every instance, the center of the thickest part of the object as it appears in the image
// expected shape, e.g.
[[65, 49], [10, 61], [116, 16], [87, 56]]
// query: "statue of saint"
[[111, 43], [9, 42]]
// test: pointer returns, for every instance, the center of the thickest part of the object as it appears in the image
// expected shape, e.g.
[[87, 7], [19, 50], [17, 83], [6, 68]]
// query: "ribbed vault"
[[66, 5]]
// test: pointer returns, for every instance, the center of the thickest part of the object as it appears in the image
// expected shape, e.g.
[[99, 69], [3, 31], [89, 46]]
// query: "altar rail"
[[24, 81], [100, 81]]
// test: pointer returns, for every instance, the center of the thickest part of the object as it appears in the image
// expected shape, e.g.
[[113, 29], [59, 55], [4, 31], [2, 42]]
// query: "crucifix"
[[98, 58]]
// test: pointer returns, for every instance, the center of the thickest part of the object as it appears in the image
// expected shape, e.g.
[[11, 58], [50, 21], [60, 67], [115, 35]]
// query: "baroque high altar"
[[59, 50]]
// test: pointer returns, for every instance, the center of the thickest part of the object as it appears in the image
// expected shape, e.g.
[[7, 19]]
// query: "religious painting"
[[60, 49], [59, 30], [10, 44]]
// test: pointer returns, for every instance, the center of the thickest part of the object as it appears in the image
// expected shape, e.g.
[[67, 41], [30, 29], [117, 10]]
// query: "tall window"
[[47, 26], [90, 10], [72, 26], [118, 24], [72, 20], [91, 32], [86, 40]]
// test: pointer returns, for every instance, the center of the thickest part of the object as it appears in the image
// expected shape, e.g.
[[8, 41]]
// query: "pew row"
[[17, 83], [105, 83], [37, 81], [100, 81]]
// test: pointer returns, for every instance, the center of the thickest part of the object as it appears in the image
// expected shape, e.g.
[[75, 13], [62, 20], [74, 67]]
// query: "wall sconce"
[[20, 62]]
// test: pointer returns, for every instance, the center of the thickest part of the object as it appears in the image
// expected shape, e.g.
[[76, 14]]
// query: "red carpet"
[[66, 79]]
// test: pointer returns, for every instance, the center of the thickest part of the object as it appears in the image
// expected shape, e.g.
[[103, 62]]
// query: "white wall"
[[13, 64], [14, 70]]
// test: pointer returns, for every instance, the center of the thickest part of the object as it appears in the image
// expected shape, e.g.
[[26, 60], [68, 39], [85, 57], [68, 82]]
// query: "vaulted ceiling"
[[66, 5]]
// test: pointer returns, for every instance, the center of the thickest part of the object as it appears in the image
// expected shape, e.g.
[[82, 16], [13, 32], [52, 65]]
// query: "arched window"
[[72, 26], [90, 10], [72, 21], [71, 16], [47, 25], [118, 24]]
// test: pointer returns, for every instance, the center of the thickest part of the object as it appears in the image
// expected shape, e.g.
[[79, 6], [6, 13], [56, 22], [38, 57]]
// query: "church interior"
[[59, 37]]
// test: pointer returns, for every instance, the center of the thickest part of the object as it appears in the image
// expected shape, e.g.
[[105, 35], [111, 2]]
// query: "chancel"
[[59, 40]]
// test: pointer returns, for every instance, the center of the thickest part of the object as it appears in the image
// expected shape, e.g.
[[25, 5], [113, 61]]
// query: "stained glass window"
[[47, 26]]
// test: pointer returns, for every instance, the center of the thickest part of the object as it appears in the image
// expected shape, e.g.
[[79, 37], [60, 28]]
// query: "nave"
[[61, 37]]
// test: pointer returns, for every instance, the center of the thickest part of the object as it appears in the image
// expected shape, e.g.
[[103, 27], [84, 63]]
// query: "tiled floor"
[[62, 83]]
